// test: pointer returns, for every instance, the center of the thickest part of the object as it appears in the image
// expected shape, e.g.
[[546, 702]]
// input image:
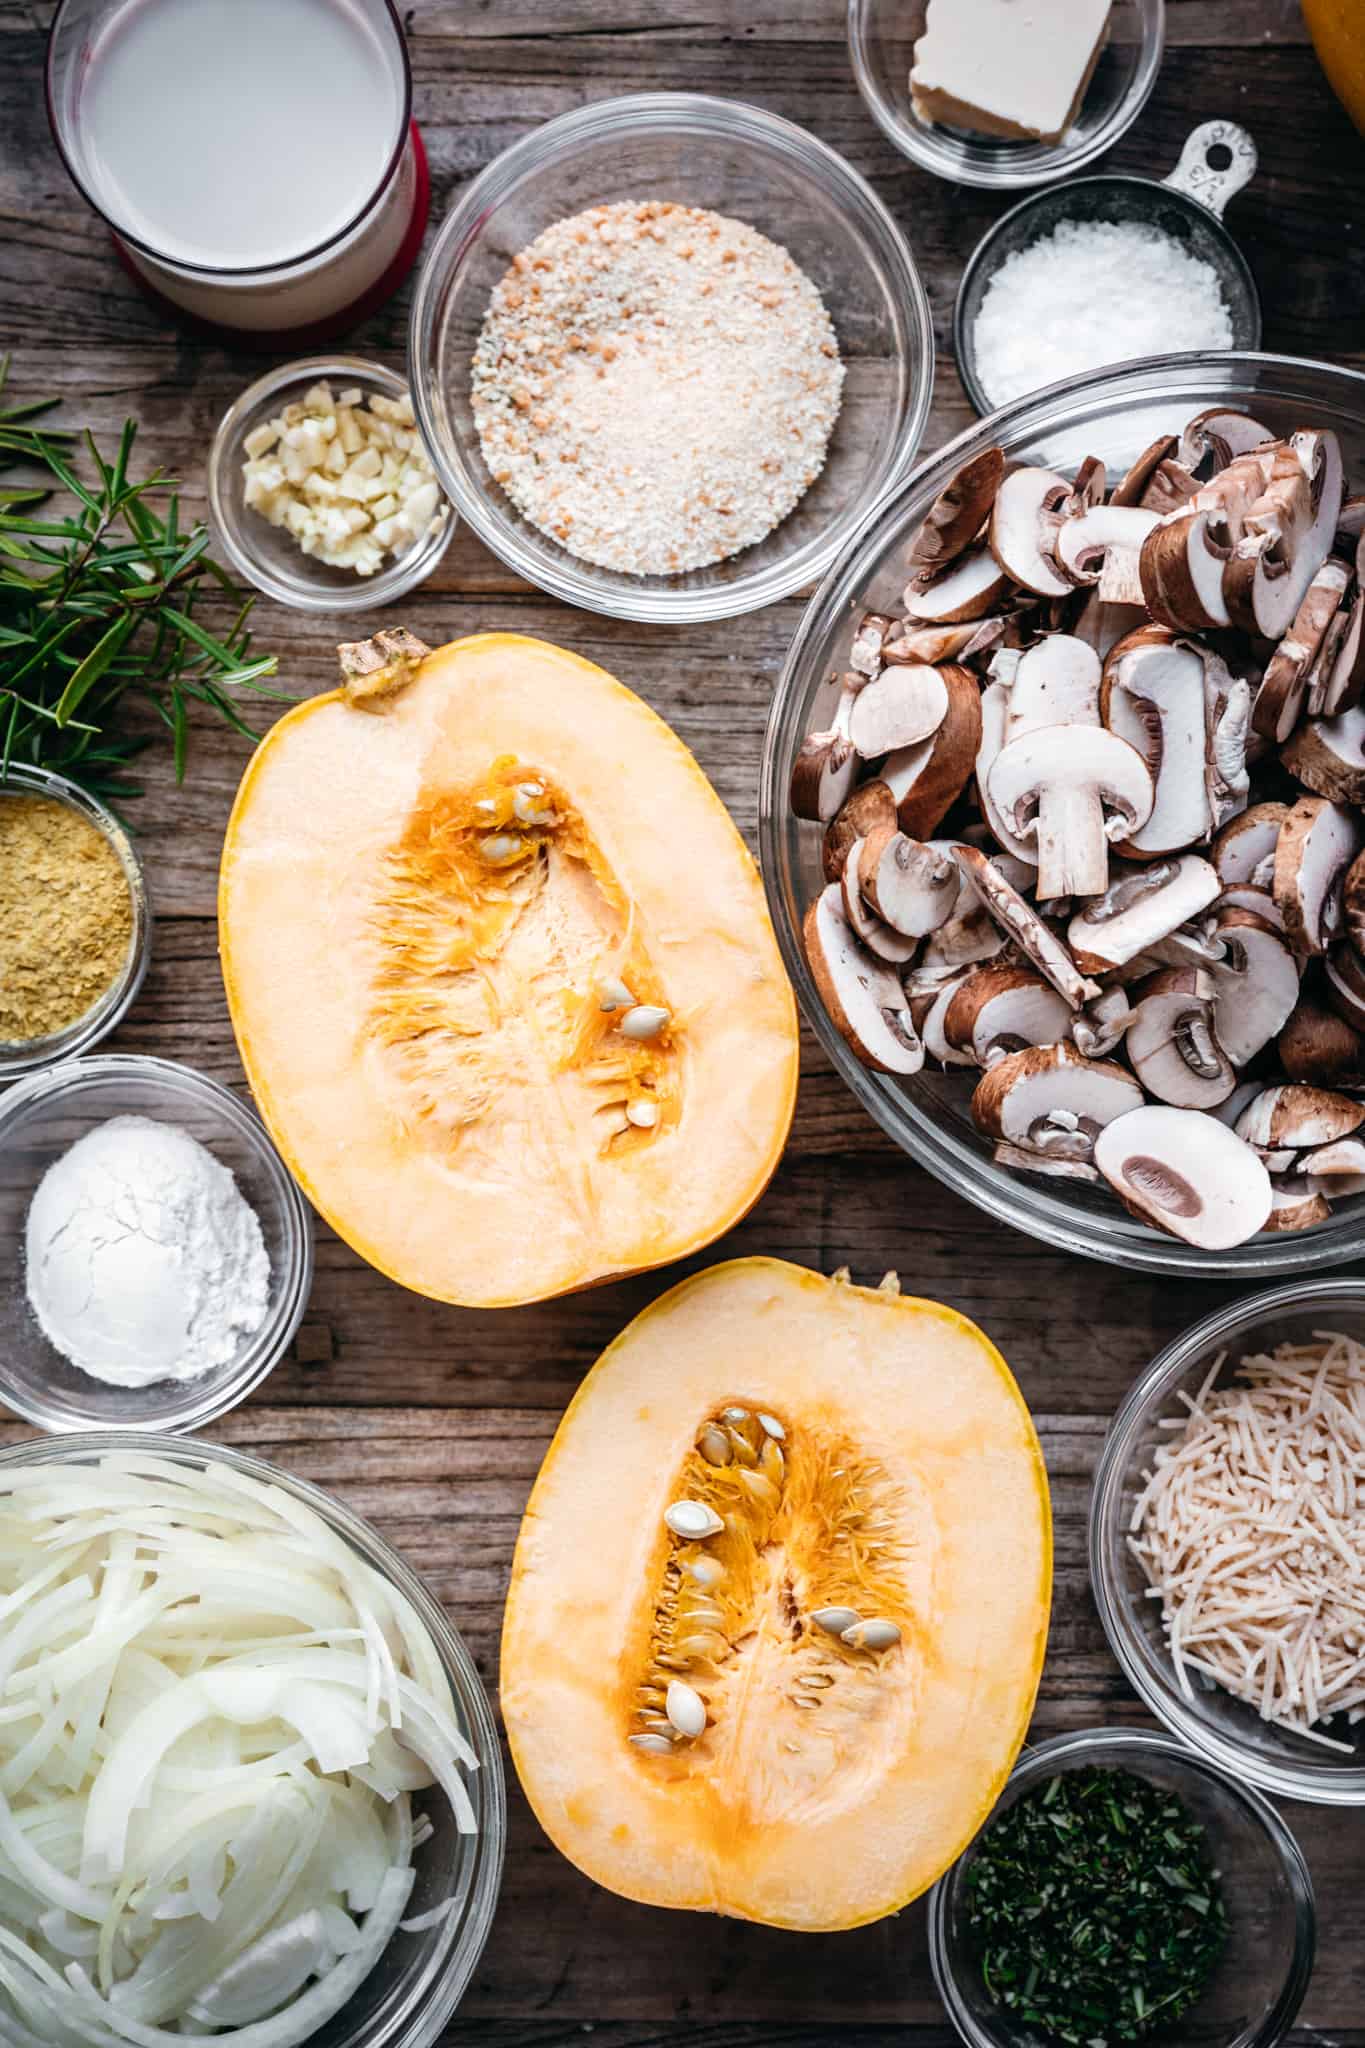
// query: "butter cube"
[[1013, 68]]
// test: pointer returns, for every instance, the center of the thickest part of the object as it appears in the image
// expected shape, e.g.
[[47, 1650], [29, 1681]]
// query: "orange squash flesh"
[[831, 1785], [415, 952]]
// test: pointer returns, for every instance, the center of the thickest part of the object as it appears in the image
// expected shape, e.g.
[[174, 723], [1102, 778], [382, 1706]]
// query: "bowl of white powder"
[[155, 1254]]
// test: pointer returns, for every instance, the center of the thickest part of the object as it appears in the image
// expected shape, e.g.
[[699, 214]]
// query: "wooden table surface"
[[432, 1421]]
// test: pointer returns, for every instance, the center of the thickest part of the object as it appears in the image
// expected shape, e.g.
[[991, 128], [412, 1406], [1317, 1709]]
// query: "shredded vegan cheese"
[[1251, 1531]]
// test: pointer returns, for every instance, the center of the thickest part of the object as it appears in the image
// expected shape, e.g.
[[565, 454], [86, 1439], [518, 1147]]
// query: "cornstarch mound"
[[655, 386]]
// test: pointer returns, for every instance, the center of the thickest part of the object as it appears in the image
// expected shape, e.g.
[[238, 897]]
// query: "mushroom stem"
[[1073, 851]]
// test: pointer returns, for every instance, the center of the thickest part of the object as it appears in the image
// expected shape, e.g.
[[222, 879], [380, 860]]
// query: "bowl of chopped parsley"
[[1124, 1891]]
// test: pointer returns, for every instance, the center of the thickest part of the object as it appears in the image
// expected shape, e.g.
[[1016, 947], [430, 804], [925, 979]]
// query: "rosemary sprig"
[[98, 611]]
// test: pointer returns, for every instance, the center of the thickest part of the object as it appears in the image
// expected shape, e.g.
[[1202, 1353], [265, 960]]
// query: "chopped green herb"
[[1095, 1910]]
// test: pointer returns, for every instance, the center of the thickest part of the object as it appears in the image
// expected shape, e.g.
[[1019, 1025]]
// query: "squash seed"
[[693, 1520], [612, 994], [834, 1620], [707, 1571], [714, 1445], [653, 1745], [773, 1426], [760, 1487], [734, 1415], [646, 1020], [742, 1449], [772, 1463], [877, 1634], [686, 1710]]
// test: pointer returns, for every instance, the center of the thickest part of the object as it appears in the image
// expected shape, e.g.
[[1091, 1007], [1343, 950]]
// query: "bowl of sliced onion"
[[252, 1787], [1226, 1546]]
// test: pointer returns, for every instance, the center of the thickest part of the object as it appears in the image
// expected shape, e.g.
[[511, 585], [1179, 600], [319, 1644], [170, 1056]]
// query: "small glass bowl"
[[1223, 1729], [40, 1119], [881, 39], [408, 1998], [21, 1056], [1256, 1991], [268, 556], [735, 160]]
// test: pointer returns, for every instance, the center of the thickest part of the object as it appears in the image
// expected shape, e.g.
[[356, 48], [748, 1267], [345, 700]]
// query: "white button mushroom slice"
[[1255, 984], [865, 655], [1171, 1040], [865, 1000], [1027, 512], [928, 779], [1052, 1099], [1287, 536], [1317, 843], [995, 705], [1320, 1048], [1056, 682], [1085, 543], [1021, 1160], [903, 706], [1328, 755], [1284, 689], [1219, 434], [972, 586], [1021, 924], [1101, 1025], [1185, 1172], [956, 515], [1072, 788], [911, 886], [1141, 906], [1153, 696], [999, 1009], [869, 808], [1297, 1119], [1244, 848], [891, 946], [1337, 1170], [826, 767], [1295, 1204]]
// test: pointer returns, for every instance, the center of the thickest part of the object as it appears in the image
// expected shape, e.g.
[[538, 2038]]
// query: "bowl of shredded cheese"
[[1227, 1539]]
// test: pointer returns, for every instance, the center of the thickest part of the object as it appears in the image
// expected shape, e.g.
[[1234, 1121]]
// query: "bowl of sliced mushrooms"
[[1063, 815]]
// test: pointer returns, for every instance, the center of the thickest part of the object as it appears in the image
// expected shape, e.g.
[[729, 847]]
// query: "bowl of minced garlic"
[[76, 928]]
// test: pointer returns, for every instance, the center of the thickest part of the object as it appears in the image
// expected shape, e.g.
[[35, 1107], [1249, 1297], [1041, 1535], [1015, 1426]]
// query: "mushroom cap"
[[955, 517], [1083, 540], [861, 993], [1295, 1204], [1344, 983], [1255, 985], [1141, 906], [1171, 1044], [1219, 434], [1056, 682], [1187, 1173], [995, 708], [969, 588], [912, 887], [1135, 479], [823, 774], [1154, 696], [865, 809], [1319, 1047], [1072, 757], [904, 705], [926, 780], [999, 1009], [1328, 755], [1317, 843], [1290, 1116], [1021, 924], [879, 938], [1285, 684], [1027, 509], [1244, 849], [1052, 1099]]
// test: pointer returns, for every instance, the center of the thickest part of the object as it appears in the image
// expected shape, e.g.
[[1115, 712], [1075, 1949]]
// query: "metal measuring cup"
[[1217, 161]]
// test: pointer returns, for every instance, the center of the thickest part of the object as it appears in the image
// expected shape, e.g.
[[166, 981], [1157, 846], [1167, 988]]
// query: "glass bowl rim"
[[1079, 1747], [1053, 161], [235, 533], [1043, 1216], [447, 1970], [1317, 1784], [217, 1394], [530, 156], [20, 1057]]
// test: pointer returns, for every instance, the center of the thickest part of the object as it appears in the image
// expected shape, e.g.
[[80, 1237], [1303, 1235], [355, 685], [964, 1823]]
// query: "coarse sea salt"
[[1090, 293]]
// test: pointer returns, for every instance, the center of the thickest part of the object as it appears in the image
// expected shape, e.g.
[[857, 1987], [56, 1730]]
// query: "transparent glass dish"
[[21, 1056], [1220, 1727], [1256, 1990], [881, 40], [269, 556], [1113, 413], [736, 160], [40, 1119], [417, 1984]]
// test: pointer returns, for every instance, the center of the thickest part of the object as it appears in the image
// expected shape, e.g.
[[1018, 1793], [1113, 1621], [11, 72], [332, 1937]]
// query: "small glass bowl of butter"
[[1011, 63]]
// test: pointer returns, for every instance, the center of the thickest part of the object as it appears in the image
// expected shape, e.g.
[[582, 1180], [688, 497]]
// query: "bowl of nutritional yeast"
[[666, 354]]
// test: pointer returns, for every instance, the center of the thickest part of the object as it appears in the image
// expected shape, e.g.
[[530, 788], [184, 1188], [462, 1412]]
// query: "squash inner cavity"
[[512, 998]]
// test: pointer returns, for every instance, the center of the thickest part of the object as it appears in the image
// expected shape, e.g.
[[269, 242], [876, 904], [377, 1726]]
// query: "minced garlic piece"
[[346, 475]]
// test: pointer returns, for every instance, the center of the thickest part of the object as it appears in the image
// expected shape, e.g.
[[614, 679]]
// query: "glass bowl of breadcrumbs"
[[76, 933]]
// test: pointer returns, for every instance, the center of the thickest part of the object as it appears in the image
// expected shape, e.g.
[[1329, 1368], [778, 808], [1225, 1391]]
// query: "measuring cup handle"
[[1197, 177]]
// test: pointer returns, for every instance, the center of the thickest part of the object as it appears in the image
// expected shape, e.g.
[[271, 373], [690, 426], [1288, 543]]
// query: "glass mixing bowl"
[[420, 1978], [1256, 1990], [735, 160], [1112, 413], [1221, 1728]]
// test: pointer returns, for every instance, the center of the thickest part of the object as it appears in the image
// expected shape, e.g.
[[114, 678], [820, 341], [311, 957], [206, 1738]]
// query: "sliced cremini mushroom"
[[1055, 682], [1287, 535], [903, 706], [868, 808], [969, 588], [957, 513], [1293, 1118], [1255, 984], [1135, 479], [1085, 543], [1319, 1047], [935, 644], [1153, 696], [1317, 843], [1187, 1173], [1171, 1040], [1336, 682], [892, 946], [932, 1016], [1257, 902], [1227, 710], [826, 767], [1217, 436], [1047, 1163], [865, 655], [995, 711], [1244, 849], [1021, 924], [1353, 902], [1102, 625], [1336, 1170], [1051, 1099], [912, 887], [1328, 755], [1141, 906], [970, 936], [862, 994], [1100, 1027], [1284, 687], [1343, 983], [1072, 789], [1295, 1204], [1001, 1009], [927, 780], [1186, 558], [1028, 509]]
